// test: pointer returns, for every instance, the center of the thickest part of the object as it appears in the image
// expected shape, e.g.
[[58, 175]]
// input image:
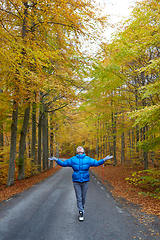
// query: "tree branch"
[[15, 8], [1, 9], [56, 109]]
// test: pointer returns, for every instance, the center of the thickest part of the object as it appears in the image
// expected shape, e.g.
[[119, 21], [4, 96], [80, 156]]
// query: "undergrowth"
[[148, 180]]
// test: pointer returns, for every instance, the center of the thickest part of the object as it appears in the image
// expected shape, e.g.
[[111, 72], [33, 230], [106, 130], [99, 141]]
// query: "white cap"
[[80, 149]]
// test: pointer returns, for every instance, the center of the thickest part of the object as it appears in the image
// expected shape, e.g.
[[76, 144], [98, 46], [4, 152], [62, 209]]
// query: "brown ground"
[[8, 192], [114, 175]]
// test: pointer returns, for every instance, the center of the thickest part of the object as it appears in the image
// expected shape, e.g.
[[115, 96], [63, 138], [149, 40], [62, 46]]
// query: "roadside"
[[114, 179], [145, 209], [8, 192]]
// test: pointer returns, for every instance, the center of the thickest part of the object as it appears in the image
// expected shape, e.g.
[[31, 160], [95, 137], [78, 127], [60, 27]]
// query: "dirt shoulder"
[[8, 192], [115, 177]]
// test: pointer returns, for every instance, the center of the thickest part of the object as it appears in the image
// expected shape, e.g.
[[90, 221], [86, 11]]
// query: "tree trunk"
[[114, 144], [22, 145], [133, 145], [57, 150], [92, 149], [39, 142], [109, 145], [10, 178], [105, 146], [1, 132], [114, 138], [145, 152], [45, 141], [137, 127], [97, 147], [122, 143], [33, 145], [51, 140], [29, 144], [129, 140], [137, 140], [122, 148]]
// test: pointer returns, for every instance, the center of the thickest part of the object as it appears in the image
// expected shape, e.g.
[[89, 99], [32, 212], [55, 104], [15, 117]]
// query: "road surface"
[[48, 211]]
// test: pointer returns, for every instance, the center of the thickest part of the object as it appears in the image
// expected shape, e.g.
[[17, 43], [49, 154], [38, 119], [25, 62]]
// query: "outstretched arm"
[[65, 163], [95, 163]]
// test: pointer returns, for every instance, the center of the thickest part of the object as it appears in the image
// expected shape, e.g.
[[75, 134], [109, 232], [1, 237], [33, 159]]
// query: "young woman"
[[80, 177]]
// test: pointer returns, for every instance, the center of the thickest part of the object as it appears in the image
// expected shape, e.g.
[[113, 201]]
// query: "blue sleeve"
[[95, 163], [66, 163]]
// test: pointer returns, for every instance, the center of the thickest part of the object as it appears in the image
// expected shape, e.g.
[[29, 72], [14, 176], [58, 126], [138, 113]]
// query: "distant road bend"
[[48, 211]]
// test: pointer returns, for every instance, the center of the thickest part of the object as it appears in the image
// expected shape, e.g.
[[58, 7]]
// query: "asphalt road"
[[48, 211]]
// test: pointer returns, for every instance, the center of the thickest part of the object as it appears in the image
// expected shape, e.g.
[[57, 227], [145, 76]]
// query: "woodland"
[[63, 85]]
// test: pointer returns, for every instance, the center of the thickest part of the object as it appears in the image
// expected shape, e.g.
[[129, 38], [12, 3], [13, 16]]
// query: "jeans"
[[81, 191]]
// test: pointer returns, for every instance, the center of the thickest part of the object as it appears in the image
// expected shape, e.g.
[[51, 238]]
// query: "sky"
[[118, 10]]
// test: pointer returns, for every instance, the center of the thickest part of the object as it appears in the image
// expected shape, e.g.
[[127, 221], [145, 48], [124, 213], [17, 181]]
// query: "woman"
[[80, 177]]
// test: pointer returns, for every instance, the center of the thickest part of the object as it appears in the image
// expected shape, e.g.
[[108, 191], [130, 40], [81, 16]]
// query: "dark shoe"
[[81, 216]]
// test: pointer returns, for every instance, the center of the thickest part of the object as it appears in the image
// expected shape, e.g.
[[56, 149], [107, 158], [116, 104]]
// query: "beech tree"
[[41, 54], [126, 74]]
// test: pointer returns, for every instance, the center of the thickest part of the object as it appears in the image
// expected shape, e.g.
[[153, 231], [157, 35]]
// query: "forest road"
[[48, 211]]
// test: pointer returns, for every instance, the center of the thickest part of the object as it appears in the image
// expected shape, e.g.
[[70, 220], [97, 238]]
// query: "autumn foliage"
[[55, 94]]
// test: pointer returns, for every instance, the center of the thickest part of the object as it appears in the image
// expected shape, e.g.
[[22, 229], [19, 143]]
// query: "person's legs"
[[84, 192], [78, 192], [81, 191]]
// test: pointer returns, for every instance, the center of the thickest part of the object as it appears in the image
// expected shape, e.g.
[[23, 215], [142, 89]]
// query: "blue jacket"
[[80, 164]]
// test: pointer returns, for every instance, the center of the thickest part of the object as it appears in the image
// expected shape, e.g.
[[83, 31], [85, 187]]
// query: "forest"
[[57, 92]]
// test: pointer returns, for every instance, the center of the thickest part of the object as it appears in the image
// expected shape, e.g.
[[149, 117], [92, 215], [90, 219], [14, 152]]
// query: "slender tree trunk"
[[145, 152], [122, 143], [114, 136], [97, 147], [152, 154], [89, 148], [137, 127], [122, 148], [57, 150], [141, 138], [1, 132], [55, 144], [39, 142], [145, 128], [109, 145], [10, 178], [105, 145], [114, 143], [1, 135], [29, 144], [45, 141], [22, 145], [51, 140], [33, 145], [130, 153], [137, 140], [92, 149], [132, 145], [97, 144]]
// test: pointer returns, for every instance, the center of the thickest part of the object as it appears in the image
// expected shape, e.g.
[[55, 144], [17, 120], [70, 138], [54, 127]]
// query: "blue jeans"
[[81, 191]]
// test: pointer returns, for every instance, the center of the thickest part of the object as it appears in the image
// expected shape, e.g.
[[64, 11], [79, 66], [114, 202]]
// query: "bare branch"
[[1, 9], [15, 8]]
